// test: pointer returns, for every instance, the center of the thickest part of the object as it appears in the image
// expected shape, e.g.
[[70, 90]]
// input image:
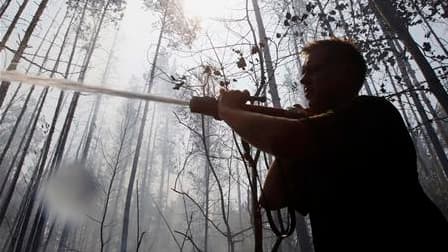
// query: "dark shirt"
[[361, 187]]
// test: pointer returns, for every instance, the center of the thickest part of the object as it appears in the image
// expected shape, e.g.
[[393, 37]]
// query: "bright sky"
[[135, 48], [205, 8]]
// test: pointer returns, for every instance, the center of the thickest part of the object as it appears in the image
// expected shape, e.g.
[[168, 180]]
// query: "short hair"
[[343, 50]]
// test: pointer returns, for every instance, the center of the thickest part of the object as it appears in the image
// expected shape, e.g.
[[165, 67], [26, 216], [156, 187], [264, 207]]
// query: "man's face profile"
[[325, 79]]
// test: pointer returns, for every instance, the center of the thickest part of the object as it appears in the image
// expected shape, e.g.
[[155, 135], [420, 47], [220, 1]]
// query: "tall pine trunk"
[[20, 164], [117, 163], [13, 24], [73, 105], [11, 188], [126, 215], [74, 101], [33, 58], [263, 38], [37, 230], [4, 86], [207, 181], [385, 11], [97, 104], [4, 7]]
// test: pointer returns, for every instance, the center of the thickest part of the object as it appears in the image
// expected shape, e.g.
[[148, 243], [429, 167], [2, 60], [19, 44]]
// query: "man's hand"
[[232, 99], [282, 137], [299, 109]]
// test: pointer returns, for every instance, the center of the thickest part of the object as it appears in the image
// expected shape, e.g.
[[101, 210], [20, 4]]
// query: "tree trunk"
[[206, 179], [426, 135], [400, 102], [267, 57], [112, 179], [207, 184], [41, 215], [121, 184], [126, 215], [97, 104], [11, 137], [62, 246], [18, 120], [263, 42], [124, 234], [4, 7], [4, 86], [420, 154], [147, 173], [440, 124], [13, 24], [11, 189], [385, 11], [73, 104], [18, 217], [5, 111], [164, 173]]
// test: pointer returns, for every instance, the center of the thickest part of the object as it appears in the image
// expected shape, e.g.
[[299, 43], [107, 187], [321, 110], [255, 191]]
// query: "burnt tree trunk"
[[126, 215], [384, 10], [13, 24], [4, 86], [267, 56], [4, 7]]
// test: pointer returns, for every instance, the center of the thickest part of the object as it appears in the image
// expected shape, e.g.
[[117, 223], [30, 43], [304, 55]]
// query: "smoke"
[[72, 192]]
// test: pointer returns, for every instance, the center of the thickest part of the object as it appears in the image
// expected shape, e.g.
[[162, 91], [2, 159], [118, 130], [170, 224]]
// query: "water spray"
[[203, 105]]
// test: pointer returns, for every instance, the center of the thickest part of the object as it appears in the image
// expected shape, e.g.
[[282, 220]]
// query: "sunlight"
[[204, 9]]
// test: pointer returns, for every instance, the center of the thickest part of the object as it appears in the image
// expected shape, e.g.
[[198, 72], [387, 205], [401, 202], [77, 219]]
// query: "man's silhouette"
[[349, 163]]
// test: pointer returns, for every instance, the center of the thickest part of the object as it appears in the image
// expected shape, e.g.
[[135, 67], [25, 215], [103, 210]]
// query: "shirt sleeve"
[[353, 127]]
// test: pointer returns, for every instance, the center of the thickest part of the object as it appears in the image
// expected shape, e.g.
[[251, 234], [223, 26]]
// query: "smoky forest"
[[136, 170]]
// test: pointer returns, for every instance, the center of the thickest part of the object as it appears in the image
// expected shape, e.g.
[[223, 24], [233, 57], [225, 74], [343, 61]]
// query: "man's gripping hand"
[[299, 109], [232, 99]]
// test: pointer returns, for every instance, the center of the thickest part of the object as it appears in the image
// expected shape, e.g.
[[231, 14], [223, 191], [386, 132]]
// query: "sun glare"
[[204, 9]]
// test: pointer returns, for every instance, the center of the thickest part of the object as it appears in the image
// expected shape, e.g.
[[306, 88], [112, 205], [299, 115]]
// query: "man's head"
[[333, 73]]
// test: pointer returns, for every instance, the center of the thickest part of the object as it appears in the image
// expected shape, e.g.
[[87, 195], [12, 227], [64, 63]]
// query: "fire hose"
[[202, 105]]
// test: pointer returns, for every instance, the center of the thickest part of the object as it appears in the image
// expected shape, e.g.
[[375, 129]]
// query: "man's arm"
[[276, 135]]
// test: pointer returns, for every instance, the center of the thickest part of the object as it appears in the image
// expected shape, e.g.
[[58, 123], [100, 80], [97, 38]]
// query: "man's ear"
[[349, 72]]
